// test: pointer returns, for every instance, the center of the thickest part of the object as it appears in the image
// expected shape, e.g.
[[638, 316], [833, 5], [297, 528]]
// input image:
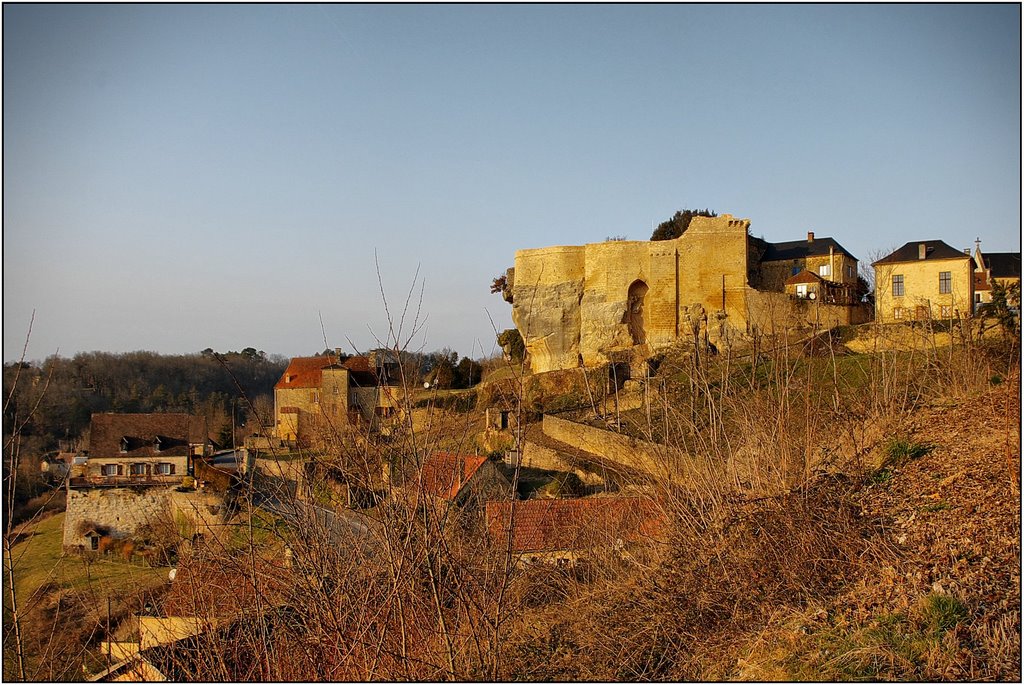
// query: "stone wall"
[[541, 457], [770, 313], [121, 511], [648, 457]]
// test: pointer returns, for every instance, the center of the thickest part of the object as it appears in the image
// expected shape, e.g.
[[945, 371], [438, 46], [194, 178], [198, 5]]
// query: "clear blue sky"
[[183, 177]]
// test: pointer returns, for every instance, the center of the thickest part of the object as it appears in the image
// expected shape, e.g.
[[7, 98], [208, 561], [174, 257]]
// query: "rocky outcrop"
[[548, 317]]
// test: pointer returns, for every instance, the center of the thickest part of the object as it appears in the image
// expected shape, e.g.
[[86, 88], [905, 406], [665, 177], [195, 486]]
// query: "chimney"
[[922, 250], [337, 352], [810, 236], [967, 251]]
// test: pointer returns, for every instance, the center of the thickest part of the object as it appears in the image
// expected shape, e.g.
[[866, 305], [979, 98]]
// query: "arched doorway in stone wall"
[[635, 300]]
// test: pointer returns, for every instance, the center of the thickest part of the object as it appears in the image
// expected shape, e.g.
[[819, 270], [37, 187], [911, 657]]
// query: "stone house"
[[924, 280], [773, 263], [319, 395], [133, 462], [141, 449], [564, 531], [583, 305], [993, 267]]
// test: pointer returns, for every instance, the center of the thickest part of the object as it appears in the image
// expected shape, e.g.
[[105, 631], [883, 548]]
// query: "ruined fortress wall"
[[713, 262], [572, 302], [121, 511]]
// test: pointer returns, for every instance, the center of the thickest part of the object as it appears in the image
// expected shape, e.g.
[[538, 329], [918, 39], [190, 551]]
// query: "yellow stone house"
[[317, 396], [924, 280]]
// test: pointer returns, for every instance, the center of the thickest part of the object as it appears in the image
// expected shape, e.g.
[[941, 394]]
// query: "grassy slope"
[[40, 560]]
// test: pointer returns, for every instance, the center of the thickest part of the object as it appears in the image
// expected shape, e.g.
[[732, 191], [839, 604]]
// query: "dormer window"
[[156, 444], [124, 443]]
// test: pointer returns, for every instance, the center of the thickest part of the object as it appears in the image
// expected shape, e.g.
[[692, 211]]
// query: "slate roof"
[[175, 432], [444, 474], [801, 249], [1003, 264], [564, 524], [935, 249]]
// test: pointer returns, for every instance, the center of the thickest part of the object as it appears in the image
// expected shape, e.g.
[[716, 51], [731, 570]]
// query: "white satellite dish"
[[171, 575], [426, 385], [813, 296]]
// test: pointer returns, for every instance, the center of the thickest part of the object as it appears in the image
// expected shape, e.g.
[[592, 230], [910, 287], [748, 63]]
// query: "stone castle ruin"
[[587, 304]]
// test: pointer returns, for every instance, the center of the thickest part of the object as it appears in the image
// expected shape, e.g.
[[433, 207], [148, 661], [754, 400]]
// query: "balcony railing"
[[121, 481]]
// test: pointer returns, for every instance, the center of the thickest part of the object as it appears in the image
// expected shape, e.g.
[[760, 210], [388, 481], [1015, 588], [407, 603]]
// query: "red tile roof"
[[560, 524], [804, 276], [444, 474], [305, 372]]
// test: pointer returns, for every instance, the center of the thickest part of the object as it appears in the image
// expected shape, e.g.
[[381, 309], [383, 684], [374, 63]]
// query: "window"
[[897, 313], [165, 469], [315, 395], [825, 270], [109, 470], [946, 311], [897, 285], [138, 469], [977, 298], [801, 290], [94, 542], [945, 282], [849, 272]]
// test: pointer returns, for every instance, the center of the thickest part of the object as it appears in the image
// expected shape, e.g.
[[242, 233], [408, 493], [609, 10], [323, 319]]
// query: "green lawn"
[[39, 559]]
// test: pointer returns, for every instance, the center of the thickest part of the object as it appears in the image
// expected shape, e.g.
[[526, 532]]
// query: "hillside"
[[950, 523]]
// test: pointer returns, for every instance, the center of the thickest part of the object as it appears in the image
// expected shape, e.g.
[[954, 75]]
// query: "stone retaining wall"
[[120, 511], [651, 458]]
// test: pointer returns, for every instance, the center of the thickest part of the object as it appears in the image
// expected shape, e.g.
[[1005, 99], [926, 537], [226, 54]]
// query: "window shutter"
[[172, 469], [120, 469]]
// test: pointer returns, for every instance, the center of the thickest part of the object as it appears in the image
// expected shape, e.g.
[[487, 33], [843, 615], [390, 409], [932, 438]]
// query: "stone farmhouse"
[[325, 393], [133, 463], [924, 280], [585, 304], [141, 449]]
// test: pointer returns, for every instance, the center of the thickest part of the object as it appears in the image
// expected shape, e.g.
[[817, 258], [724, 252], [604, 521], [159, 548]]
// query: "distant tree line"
[[69, 391]]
